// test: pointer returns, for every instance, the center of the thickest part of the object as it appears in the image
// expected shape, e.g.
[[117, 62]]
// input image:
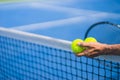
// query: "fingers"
[[80, 54], [83, 44], [91, 49], [88, 53], [84, 53]]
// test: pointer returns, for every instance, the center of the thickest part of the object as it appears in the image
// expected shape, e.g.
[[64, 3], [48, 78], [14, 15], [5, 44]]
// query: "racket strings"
[[102, 23]]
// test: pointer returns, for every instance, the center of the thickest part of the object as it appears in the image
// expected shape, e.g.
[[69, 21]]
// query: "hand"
[[93, 49]]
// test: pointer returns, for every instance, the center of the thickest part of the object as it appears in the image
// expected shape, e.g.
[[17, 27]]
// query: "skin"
[[94, 49]]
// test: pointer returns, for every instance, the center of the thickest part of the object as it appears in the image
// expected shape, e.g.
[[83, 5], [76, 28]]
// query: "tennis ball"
[[75, 47], [90, 39]]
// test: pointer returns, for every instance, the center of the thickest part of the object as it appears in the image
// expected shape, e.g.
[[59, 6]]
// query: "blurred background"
[[64, 19]]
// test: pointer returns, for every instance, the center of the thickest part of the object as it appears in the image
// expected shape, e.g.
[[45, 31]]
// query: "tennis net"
[[26, 56]]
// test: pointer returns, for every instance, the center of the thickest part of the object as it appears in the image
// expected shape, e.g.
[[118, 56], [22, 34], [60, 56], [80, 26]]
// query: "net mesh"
[[24, 60]]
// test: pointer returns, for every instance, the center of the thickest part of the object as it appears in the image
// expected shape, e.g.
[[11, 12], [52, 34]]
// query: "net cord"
[[47, 41], [37, 39]]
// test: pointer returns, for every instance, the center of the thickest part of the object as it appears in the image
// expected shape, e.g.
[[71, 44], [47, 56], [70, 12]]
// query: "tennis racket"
[[105, 32]]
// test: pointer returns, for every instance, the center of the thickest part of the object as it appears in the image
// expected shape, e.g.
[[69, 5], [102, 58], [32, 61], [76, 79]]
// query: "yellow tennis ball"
[[90, 39], [75, 47]]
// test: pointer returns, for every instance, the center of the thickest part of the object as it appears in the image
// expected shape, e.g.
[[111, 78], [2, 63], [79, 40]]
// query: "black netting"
[[20, 60]]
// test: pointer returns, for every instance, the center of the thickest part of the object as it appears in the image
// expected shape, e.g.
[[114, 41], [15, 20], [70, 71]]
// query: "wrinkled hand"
[[93, 49]]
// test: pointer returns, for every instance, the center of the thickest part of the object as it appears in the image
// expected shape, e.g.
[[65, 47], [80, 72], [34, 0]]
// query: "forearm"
[[114, 49]]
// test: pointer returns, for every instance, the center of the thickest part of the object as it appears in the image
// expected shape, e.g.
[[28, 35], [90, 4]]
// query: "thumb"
[[83, 53], [83, 44]]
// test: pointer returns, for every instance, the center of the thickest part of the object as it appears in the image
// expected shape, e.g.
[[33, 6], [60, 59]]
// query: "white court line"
[[62, 22], [81, 15], [68, 10], [42, 5]]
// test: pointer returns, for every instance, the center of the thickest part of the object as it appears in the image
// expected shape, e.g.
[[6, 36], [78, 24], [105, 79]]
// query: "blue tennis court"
[[36, 36]]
